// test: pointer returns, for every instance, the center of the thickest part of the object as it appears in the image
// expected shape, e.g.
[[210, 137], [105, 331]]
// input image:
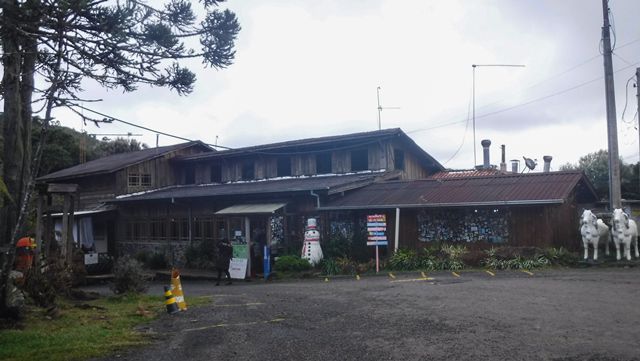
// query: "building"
[[264, 192]]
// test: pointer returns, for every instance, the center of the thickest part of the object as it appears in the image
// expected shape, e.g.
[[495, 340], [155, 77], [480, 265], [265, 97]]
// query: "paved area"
[[588, 314]]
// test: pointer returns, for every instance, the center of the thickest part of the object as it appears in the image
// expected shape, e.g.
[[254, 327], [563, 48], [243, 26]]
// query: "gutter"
[[445, 205], [317, 198]]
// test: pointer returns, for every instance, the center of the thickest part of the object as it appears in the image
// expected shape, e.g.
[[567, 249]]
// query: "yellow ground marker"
[[491, 273], [326, 279], [358, 277], [455, 274], [413, 280], [234, 324], [527, 272], [392, 275], [424, 275], [240, 304]]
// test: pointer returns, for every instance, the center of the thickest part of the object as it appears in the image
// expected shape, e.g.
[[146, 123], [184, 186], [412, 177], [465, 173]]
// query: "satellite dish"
[[530, 163]]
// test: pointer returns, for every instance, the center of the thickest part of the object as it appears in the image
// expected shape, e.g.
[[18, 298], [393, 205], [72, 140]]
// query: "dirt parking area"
[[588, 314]]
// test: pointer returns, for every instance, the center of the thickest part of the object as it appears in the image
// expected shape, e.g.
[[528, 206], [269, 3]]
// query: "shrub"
[[128, 276], [404, 260], [291, 263], [201, 255], [157, 261], [454, 254], [495, 260], [561, 256], [329, 267]]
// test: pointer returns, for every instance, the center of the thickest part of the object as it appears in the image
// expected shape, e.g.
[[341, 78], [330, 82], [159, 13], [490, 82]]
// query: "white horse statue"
[[594, 232], [625, 231]]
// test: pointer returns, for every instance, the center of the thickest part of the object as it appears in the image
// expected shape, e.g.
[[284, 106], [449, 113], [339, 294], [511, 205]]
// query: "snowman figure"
[[311, 250]]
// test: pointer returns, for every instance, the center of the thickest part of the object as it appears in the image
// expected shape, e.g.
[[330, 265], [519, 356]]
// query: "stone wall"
[[174, 251]]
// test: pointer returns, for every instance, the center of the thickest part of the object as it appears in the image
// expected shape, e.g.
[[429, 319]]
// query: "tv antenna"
[[380, 107]]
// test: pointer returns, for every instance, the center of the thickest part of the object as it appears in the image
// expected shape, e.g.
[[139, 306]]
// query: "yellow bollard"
[[358, 277], [170, 301]]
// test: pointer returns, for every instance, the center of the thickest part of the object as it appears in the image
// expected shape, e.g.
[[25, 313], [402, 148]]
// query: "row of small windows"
[[324, 165], [139, 180]]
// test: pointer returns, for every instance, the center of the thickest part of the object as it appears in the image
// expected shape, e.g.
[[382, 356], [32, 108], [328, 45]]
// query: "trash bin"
[[24, 254]]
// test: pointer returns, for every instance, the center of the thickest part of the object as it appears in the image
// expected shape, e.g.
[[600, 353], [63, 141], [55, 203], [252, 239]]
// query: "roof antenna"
[[380, 107]]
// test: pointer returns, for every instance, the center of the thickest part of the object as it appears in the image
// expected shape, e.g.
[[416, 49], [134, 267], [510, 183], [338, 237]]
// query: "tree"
[[596, 167], [118, 44]]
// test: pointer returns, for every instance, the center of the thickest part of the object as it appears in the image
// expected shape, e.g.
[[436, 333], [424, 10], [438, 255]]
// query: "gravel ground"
[[588, 314]]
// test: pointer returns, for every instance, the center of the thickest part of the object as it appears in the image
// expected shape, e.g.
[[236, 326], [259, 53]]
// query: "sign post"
[[376, 234]]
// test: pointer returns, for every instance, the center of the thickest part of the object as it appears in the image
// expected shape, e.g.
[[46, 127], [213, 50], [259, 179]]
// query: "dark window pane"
[[323, 163], [359, 160], [284, 167], [248, 171], [398, 159], [216, 173]]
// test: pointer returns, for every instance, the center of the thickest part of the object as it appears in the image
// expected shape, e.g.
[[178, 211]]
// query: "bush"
[[128, 276], [404, 260], [560, 256], [496, 259], [292, 264], [202, 255], [329, 267]]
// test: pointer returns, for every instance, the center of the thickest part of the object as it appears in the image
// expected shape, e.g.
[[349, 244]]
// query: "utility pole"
[[615, 197], [638, 114]]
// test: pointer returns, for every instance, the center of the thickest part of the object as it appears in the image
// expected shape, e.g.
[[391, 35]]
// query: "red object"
[[24, 253]]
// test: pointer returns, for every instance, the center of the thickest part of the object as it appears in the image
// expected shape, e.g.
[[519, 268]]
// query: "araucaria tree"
[[51, 48]]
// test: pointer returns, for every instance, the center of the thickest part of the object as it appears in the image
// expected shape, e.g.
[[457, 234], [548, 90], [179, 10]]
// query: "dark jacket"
[[225, 253]]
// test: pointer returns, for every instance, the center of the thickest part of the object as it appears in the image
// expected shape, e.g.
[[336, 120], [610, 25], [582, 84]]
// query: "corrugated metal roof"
[[325, 183], [343, 141], [465, 173], [252, 208], [115, 162], [509, 189]]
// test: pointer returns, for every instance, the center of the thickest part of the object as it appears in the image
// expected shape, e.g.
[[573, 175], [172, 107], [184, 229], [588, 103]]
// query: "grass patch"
[[97, 328]]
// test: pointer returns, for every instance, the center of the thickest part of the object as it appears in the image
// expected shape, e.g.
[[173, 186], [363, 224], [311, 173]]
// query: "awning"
[[263, 208], [100, 209]]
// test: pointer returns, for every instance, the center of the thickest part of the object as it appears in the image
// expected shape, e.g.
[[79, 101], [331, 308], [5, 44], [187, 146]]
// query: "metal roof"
[[116, 162], [507, 189], [309, 145], [262, 208], [329, 184]]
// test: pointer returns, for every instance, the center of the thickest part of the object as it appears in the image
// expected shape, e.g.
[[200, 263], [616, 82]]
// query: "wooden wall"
[[380, 156]]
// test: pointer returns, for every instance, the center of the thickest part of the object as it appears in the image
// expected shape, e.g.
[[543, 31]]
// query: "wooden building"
[[533, 209], [191, 194]]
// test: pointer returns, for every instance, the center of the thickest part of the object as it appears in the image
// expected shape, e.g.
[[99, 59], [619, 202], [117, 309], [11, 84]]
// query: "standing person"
[[225, 253]]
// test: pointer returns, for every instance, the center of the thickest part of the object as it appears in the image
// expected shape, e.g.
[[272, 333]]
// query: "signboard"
[[377, 230], [377, 234], [238, 264]]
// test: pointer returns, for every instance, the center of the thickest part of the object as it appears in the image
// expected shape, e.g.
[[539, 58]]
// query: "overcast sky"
[[311, 68]]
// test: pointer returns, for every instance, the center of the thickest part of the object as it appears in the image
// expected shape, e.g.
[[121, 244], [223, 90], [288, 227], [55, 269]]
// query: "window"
[[190, 175], [398, 159], [158, 230], [145, 180], [323, 163], [139, 180], [284, 167], [359, 160], [248, 171], [216, 173]]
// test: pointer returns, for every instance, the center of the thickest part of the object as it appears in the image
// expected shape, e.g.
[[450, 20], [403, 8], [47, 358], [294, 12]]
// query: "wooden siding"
[[380, 156]]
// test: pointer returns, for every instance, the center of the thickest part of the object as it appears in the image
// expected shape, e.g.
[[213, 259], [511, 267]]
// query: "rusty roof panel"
[[553, 187]]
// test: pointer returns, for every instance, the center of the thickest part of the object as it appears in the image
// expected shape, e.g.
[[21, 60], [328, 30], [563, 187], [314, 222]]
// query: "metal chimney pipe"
[[503, 164], [547, 163], [515, 164], [486, 143]]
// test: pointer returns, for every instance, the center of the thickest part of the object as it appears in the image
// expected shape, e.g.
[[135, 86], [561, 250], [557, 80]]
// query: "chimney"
[[547, 163], [485, 151], [503, 164], [515, 164]]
